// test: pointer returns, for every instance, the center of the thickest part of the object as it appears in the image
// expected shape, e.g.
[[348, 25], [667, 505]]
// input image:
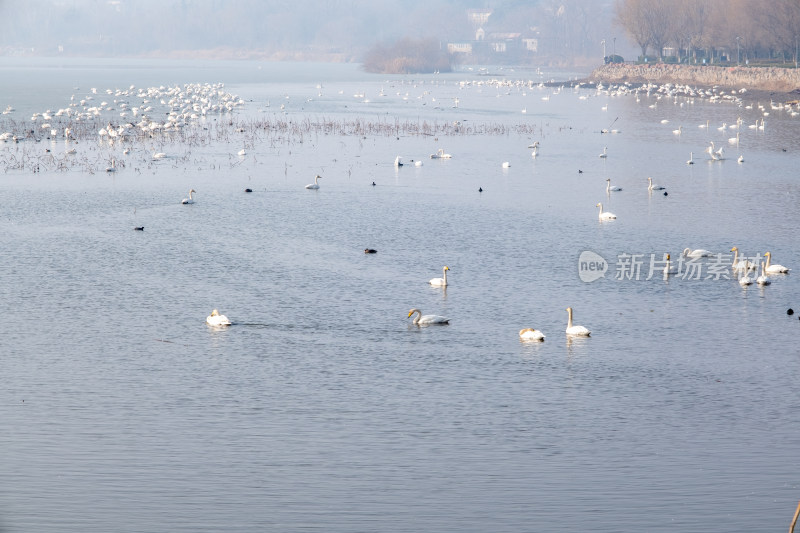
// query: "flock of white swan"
[[742, 269], [185, 105]]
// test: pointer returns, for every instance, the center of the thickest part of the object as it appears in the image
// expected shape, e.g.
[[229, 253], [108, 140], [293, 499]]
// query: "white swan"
[[678, 131], [605, 215], [652, 187], [580, 331], [159, 155], [605, 152], [609, 188], [668, 268], [506, 164], [425, 320], [189, 200], [740, 159], [398, 161], [314, 185], [441, 282], [743, 264], [242, 152], [530, 334], [745, 279], [691, 159], [716, 155], [769, 268], [763, 279], [216, 319], [687, 252], [440, 154]]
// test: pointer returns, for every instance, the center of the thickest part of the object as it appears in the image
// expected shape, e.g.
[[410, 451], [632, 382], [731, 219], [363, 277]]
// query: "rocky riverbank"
[[782, 81]]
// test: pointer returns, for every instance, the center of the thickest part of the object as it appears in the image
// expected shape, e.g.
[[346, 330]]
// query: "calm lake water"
[[322, 408]]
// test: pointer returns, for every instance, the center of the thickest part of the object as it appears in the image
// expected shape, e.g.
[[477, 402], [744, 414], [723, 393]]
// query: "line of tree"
[[745, 29], [407, 56]]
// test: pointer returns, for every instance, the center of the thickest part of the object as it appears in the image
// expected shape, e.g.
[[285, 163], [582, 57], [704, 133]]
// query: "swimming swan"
[[425, 320], [579, 331], [745, 279], [741, 265], [605, 215], [530, 334], [440, 154], [216, 319], [668, 268], [697, 253], [441, 282], [605, 152], [763, 279], [314, 185], [189, 200], [610, 188], [652, 187], [774, 269]]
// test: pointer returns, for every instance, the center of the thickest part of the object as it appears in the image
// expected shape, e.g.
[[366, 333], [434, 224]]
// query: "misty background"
[[568, 32]]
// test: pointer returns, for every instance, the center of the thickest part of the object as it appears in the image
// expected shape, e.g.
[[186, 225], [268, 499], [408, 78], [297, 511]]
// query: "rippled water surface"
[[322, 407]]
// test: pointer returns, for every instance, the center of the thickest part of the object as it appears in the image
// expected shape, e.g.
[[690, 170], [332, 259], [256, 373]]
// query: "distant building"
[[459, 48], [495, 44]]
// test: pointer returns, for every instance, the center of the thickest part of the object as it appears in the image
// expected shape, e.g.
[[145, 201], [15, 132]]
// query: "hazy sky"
[[347, 27]]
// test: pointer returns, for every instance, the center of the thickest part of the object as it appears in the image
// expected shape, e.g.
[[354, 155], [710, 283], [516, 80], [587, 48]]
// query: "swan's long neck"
[[416, 318], [444, 275], [735, 257], [569, 319], [769, 257], [601, 209]]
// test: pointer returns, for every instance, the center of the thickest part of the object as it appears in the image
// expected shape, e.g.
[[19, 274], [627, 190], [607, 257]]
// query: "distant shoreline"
[[756, 80]]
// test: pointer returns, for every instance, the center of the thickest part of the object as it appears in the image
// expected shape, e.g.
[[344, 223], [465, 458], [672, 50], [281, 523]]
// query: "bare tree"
[[659, 23], [783, 18], [631, 15]]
